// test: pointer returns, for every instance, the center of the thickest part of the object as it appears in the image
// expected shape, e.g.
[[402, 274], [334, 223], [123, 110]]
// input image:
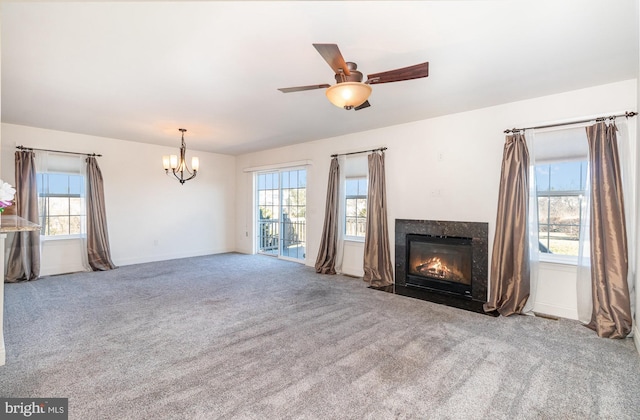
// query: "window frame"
[[273, 191], [45, 196], [549, 193], [347, 237]]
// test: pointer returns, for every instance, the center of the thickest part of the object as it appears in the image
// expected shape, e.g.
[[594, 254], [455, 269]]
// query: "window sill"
[[44, 238], [559, 259], [354, 239]]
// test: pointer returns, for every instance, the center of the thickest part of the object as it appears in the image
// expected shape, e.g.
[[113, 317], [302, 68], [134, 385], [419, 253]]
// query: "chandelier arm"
[[192, 176], [185, 169], [181, 178], [177, 177]]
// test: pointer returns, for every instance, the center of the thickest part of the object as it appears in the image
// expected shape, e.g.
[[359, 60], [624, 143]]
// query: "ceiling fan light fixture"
[[348, 95]]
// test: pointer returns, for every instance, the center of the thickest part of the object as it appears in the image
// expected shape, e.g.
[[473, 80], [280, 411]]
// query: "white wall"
[[444, 168], [150, 216], [636, 330]]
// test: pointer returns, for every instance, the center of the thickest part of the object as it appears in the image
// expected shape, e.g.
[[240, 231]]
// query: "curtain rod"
[[57, 151], [379, 149], [611, 117]]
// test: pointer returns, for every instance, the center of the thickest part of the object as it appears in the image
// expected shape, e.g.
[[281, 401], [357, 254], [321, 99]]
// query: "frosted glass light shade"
[[195, 164], [166, 163], [174, 161], [348, 94]]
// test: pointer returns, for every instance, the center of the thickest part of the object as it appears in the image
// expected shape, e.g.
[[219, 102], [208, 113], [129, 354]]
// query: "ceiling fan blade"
[[363, 105], [331, 54], [407, 73], [301, 88]]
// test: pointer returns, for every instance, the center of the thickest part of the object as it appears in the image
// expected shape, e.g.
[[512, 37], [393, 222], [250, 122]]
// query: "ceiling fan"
[[350, 92]]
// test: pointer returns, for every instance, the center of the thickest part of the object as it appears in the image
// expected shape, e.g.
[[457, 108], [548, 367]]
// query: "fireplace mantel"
[[477, 231]]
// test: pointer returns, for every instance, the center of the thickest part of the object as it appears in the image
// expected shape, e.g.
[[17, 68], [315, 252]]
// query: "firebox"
[[442, 263]]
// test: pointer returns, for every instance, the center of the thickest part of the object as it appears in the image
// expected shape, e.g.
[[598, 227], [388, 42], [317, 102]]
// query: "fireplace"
[[442, 261]]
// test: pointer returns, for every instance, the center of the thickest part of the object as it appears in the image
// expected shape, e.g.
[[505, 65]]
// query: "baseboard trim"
[[353, 271], [3, 356], [559, 311], [54, 271], [166, 257], [636, 337]]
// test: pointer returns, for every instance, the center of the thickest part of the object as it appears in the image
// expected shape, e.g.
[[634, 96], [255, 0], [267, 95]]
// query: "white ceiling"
[[140, 70]]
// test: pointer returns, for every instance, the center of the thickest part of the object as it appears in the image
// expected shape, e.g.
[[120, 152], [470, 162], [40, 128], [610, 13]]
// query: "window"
[[61, 204], [356, 207], [560, 191], [281, 198]]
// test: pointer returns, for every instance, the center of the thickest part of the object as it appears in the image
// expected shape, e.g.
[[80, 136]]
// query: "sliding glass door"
[[281, 198]]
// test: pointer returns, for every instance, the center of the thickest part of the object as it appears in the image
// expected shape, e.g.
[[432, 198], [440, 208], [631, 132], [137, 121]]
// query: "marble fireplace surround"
[[479, 234]]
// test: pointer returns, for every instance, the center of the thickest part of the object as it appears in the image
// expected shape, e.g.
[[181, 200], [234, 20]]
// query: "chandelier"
[[179, 166]]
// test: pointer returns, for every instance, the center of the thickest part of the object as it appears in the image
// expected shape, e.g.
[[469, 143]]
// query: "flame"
[[435, 267]]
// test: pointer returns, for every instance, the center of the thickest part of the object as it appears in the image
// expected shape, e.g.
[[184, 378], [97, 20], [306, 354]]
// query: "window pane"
[[268, 181], [362, 186], [351, 207], [75, 225], [302, 179], [543, 236], [298, 197], [294, 179], [565, 176], [284, 177], [58, 183], [286, 196], [58, 225], [352, 186], [542, 177], [58, 206], [351, 226], [261, 182], [362, 207], [543, 210], [76, 206], [75, 184], [564, 210], [362, 227], [563, 239]]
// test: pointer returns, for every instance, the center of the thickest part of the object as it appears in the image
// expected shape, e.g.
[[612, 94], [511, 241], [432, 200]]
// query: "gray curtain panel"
[[510, 266], [24, 254], [378, 271], [326, 260], [611, 316], [98, 250]]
